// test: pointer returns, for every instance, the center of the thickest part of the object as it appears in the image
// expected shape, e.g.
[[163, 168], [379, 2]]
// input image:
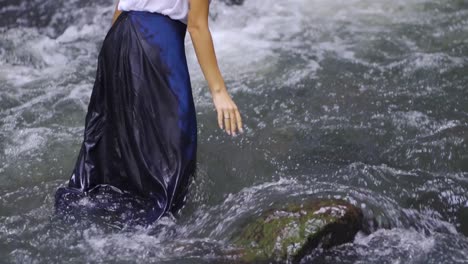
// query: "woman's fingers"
[[227, 122], [233, 122], [239, 120], [220, 118], [229, 119]]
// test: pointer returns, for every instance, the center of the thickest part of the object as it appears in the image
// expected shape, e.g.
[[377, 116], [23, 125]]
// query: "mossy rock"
[[292, 231]]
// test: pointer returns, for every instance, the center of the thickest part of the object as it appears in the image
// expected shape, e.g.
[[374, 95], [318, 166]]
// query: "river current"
[[363, 100]]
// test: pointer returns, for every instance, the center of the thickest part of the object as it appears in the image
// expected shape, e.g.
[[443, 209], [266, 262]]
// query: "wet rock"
[[294, 230], [233, 2]]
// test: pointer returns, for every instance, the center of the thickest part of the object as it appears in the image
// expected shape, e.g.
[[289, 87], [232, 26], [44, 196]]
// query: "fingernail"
[[229, 132], [233, 133]]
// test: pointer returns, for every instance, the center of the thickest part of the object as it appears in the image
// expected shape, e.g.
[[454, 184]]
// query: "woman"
[[140, 138]]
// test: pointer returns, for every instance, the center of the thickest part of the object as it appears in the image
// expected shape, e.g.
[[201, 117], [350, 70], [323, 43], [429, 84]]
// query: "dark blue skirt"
[[138, 154]]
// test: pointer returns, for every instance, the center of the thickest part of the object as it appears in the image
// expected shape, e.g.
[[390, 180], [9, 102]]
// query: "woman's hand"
[[228, 114]]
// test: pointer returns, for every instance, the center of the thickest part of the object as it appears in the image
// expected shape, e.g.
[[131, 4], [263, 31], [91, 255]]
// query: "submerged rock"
[[293, 231], [233, 2]]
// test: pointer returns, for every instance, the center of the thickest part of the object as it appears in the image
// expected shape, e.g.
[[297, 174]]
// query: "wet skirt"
[[138, 153]]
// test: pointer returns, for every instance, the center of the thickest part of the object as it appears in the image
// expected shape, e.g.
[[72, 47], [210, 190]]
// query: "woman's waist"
[[177, 10]]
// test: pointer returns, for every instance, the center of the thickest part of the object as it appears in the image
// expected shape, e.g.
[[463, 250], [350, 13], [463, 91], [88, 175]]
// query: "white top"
[[175, 9]]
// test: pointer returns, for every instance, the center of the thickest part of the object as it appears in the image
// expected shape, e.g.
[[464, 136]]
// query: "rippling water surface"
[[364, 100]]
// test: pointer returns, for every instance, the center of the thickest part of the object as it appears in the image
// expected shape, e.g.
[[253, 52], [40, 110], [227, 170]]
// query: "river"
[[363, 100]]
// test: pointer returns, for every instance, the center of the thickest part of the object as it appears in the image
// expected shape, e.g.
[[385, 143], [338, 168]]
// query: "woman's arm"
[[228, 113], [116, 13]]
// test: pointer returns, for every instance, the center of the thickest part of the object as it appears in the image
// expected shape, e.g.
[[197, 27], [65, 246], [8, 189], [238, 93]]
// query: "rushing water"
[[364, 100]]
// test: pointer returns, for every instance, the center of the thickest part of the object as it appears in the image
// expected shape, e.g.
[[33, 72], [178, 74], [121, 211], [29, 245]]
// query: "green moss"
[[280, 233]]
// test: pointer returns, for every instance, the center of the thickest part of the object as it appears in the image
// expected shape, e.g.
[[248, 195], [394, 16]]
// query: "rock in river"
[[292, 231]]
